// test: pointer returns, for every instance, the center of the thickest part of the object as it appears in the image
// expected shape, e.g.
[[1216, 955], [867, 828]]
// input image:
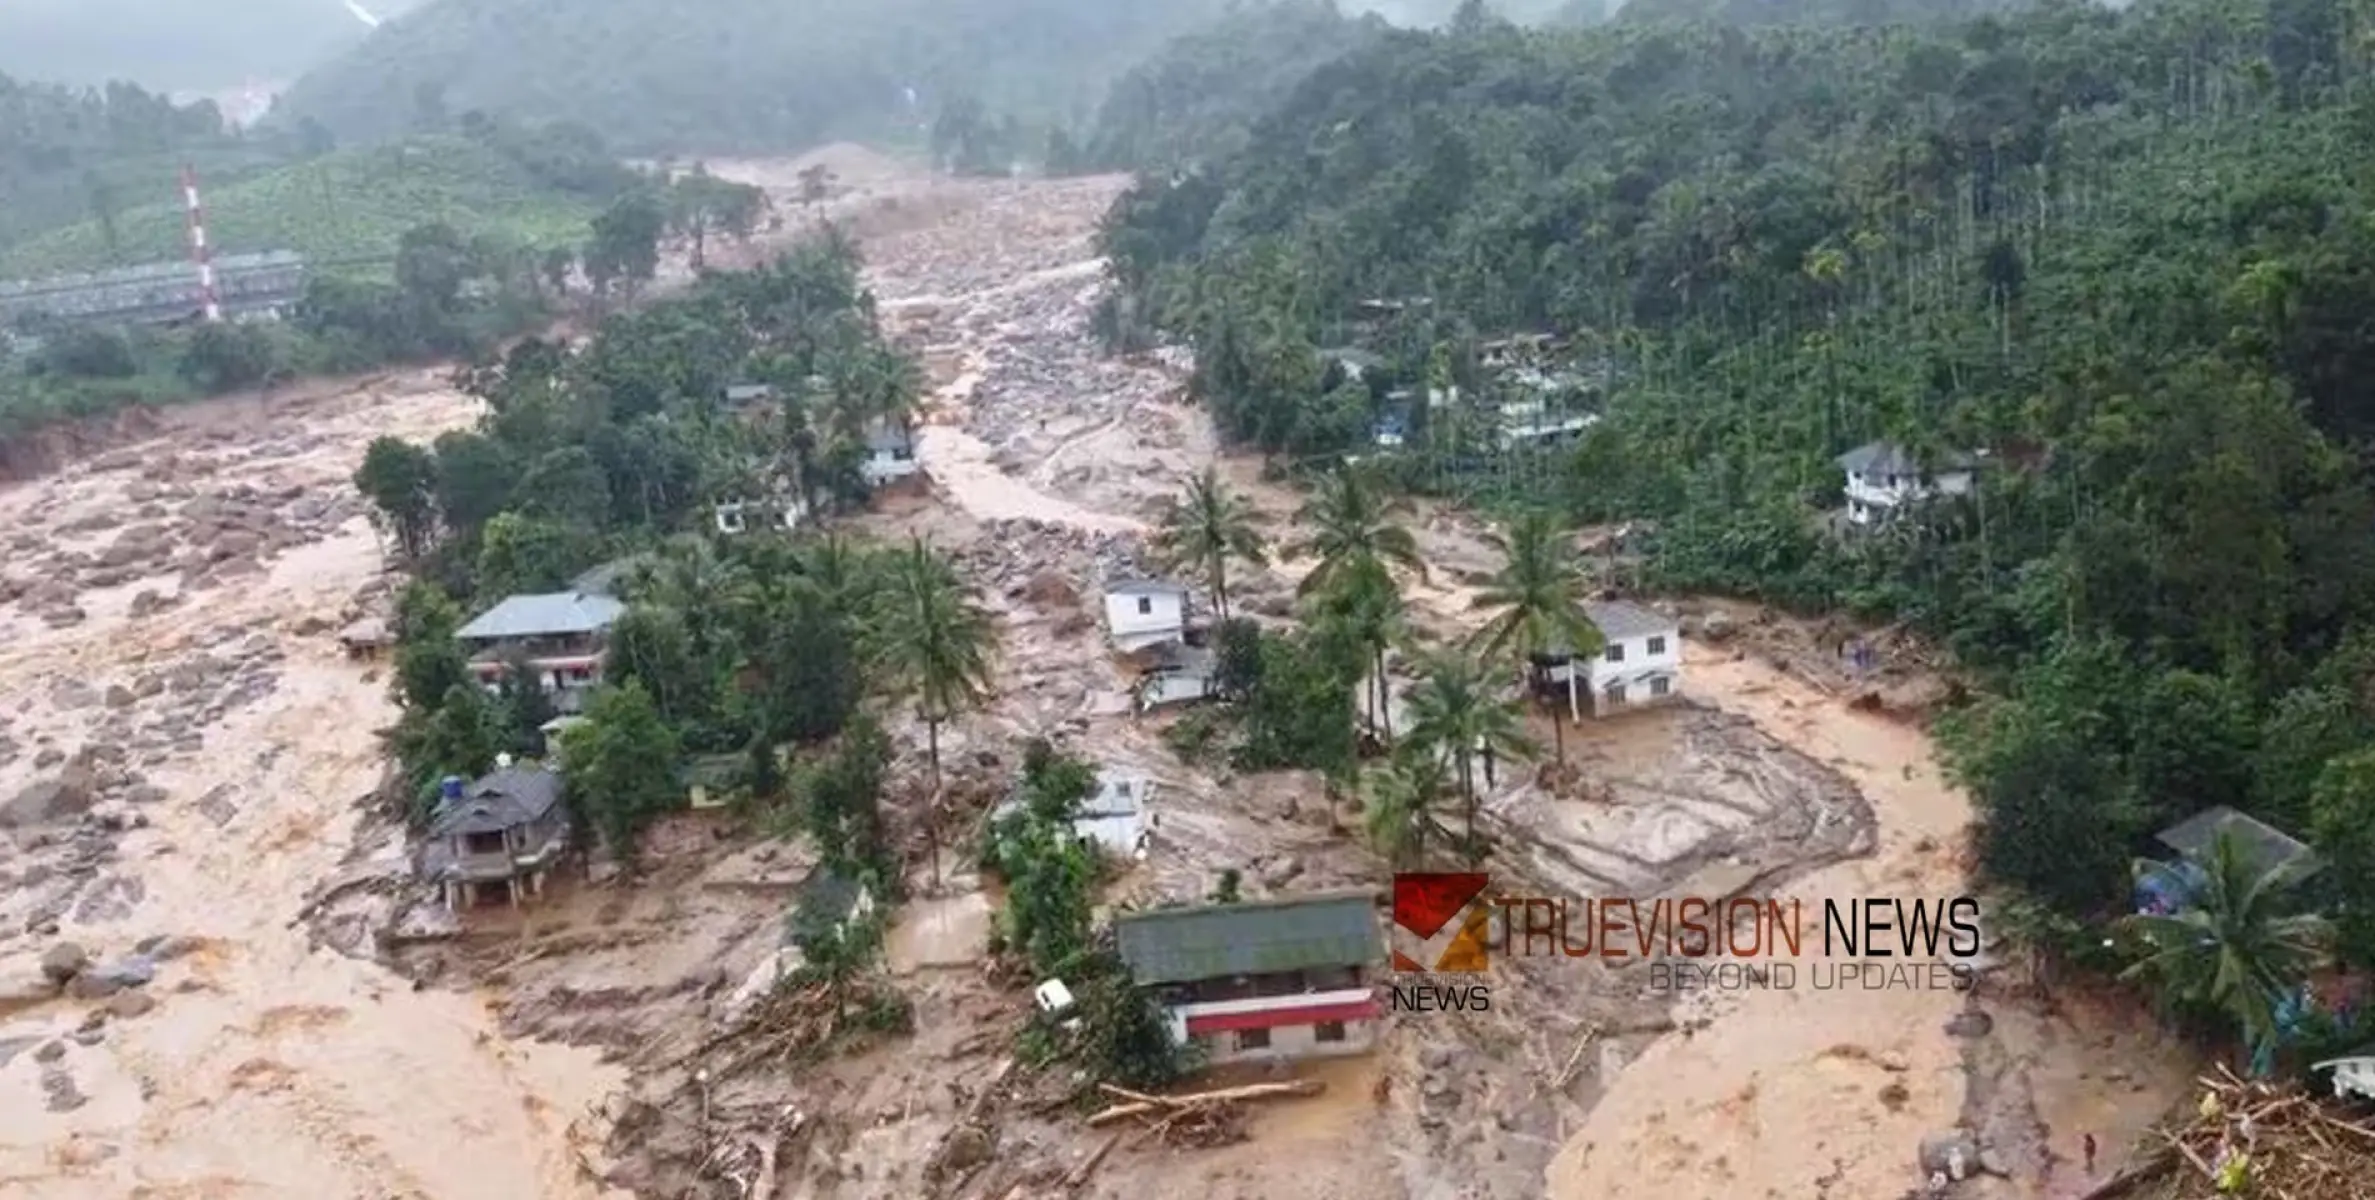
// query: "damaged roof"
[[507, 799], [1888, 458], [2263, 844], [1255, 937]]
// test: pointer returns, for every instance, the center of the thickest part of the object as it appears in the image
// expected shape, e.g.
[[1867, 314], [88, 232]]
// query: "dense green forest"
[[1197, 98], [740, 74], [68, 154], [2123, 254]]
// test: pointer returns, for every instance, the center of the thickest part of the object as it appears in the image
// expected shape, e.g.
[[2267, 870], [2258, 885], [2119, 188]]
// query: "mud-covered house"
[[1639, 663], [503, 832], [1261, 980]]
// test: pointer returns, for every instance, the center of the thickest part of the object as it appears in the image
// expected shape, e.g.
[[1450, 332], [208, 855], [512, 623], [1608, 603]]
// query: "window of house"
[[1616, 693], [1328, 1031], [1659, 686], [1146, 605], [1253, 1039], [1616, 651], [483, 843], [1657, 645]]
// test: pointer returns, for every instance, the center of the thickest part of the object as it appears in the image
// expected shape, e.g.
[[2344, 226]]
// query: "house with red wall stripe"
[[1258, 980]]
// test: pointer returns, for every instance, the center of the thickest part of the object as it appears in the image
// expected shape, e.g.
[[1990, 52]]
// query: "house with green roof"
[[1260, 980]]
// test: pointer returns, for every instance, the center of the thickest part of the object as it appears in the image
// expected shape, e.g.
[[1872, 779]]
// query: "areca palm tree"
[[1401, 816], [933, 643], [1537, 602], [1454, 716], [1206, 528], [1362, 610], [2241, 946], [1352, 521]]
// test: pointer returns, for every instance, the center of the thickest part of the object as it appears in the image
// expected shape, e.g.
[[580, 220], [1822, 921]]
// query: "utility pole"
[[199, 254]]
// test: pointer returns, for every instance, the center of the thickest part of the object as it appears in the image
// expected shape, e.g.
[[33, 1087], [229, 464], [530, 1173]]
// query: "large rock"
[[64, 961], [1954, 1154], [50, 801]]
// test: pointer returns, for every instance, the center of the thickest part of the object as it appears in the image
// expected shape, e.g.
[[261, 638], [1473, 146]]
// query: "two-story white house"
[[1639, 664], [1883, 477], [560, 637], [1141, 614]]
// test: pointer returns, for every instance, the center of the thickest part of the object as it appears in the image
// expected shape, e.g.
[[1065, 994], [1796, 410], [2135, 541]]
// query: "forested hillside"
[[71, 154], [2125, 255], [344, 205], [739, 74], [1198, 97]]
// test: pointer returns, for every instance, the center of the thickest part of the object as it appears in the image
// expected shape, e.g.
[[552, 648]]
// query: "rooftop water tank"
[[451, 788]]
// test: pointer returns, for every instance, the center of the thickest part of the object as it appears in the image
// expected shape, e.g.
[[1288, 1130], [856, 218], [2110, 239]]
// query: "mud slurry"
[[184, 747], [210, 800]]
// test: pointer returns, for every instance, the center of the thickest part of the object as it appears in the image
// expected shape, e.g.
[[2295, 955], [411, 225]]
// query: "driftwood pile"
[[1214, 1118], [2257, 1139]]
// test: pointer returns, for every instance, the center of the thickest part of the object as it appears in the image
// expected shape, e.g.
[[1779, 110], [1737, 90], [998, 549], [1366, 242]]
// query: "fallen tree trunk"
[[1080, 1174], [2126, 1181], [1140, 1104]]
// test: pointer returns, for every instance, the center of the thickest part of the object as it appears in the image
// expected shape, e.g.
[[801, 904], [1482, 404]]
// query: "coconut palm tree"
[[2241, 946], [1537, 602], [1207, 527], [1402, 817], [1454, 716], [932, 643], [1352, 521]]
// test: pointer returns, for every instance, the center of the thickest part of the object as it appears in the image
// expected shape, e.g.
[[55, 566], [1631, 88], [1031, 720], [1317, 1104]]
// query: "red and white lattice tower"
[[198, 252]]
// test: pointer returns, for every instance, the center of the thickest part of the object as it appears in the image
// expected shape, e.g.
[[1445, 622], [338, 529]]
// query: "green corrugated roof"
[[1211, 941]]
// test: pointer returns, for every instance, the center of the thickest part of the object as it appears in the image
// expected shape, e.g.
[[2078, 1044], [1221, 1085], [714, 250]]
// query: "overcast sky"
[[218, 45], [176, 44]]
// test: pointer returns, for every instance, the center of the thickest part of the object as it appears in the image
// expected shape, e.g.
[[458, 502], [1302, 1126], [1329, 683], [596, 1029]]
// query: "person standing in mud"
[[2087, 1144]]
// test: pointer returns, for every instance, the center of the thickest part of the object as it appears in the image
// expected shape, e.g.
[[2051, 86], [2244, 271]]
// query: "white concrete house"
[[1882, 478], [1261, 980], [1141, 614], [1177, 673], [1116, 818], [1640, 664], [890, 454]]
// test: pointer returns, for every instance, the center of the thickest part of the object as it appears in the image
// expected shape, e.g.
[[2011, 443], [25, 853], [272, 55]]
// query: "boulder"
[[50, 801], [126, 1005], [135, 971], [1954, 1154], [64, 961], [90, 985]]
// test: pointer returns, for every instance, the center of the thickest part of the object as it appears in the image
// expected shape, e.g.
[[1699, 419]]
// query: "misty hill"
[[1198, 96], [178, 45], [69, 154], [738, 74], [354, 204]]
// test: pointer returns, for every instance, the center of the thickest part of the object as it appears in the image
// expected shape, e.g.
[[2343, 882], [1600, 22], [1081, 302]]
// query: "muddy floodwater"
[[183, 747]]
